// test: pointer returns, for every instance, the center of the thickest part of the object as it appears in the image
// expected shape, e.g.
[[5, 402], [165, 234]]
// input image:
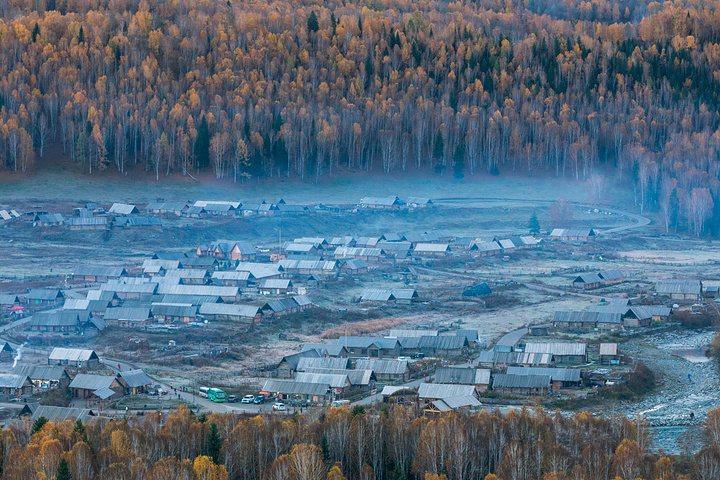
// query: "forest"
[[245, 90], [344, 444]]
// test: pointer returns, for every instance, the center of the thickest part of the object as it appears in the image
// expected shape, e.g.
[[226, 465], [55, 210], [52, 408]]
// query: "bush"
[[696, 319]]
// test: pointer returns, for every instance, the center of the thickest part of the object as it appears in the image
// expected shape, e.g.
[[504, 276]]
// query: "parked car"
[[278, 407], [232, 399], [299, 403], [259, 399], [248, 399], [418, 355]]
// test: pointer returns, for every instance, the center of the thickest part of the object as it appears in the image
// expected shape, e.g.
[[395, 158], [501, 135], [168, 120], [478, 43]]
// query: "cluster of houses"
[[615, 314], [61, 372]]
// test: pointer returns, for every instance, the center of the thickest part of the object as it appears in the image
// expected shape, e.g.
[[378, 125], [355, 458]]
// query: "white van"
[[340, 403]]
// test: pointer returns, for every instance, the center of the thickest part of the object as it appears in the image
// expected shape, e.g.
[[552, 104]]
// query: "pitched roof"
[[99, 271], [521, 381], [334, 380], [275, 283], [572, 232], [396, 333], [41, 372], [680, 286], [556, 374], [612, 275], [466, 376], [432, 247], [86, 381], [291, 387], [557, 348], [13, 380], [123, 209], [60, 414], [249, 311], [61, 318], [212, 290], [444, 390], [365, 342], [135, 378], [86, 221], [383, 366], [381, 201], [608, 349], [451, 403], [335, 363], [127, 313], [43, 294], [294, 359], [72, 354]]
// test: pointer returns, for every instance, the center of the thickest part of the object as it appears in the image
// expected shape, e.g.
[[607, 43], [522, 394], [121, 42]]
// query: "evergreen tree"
[[312, 22], [534, 224], [63, 471], [333, 23], [81, 35], [325, 447], [35, 32], [459, 161], [358, 410], [202, 144], [360, 24], [37, 425], [213, 443]]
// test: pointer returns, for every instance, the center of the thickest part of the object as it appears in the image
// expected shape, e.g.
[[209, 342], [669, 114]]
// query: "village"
[[441, 318]]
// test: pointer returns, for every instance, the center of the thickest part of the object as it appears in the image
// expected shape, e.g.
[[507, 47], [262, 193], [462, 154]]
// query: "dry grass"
[[363, 327]]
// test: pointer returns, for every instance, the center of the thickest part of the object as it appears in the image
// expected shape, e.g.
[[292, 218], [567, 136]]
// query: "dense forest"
[[350, 444], [307, 89]]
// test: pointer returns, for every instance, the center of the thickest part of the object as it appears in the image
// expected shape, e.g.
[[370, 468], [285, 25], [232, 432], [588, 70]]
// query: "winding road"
[[638, 220]]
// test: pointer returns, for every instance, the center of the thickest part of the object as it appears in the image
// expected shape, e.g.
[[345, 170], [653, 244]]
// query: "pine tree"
[[534, 224], [312, 22], [213, 443], [37, 426], [459, 161], [333, 23], [63, 471], [81, 35], [202, 144], [35, 32]]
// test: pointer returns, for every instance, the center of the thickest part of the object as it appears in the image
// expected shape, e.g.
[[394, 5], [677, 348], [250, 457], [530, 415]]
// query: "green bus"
[[214, 394]]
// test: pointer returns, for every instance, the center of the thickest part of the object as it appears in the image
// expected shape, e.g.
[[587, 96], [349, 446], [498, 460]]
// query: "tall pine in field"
[[534, 224], [213, 442], [63, 471]]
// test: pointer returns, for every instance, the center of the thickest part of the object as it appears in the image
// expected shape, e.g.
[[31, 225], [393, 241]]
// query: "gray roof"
[[87, 381], [383, 366], [331, 349], [380, 295], [191, 299], [356, 377], [334, 380], [294, 359], [274, 283], [174, 310], [445, 342], [612, 275], [482, 246], [587, 317], [521, 381], [232, 275], [466, 376], [381, 201], [123, 209], [12, 380], [86, 221], [324, 362], [444, 390], [556, 374], [608, 348], [49, 218], [259, 270], [451, 403], [318, 265], [557, 348], [146, 288], [8, 299], [61, 318], [248, 311], [470, 335], [280, 305], [164, 289], [60, 414], [291, 387], [41, 372], [72, 354], [588, 278], [365, 342], [397, 333], [104, 393], [44, 294], [671, 286], [127, 313], [515, 358], [431, 247], [342, 252], [99, 271], [572, 232], [135, 378]]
